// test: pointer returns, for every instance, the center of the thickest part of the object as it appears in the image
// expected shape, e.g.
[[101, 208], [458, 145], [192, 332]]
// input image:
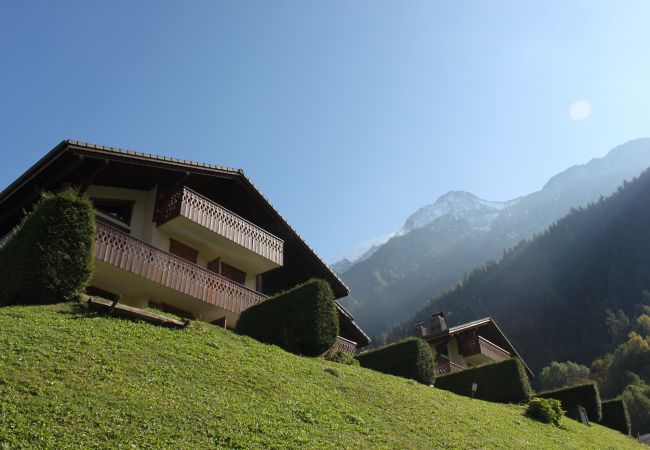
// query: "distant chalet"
[[191, 238], [468, 345]]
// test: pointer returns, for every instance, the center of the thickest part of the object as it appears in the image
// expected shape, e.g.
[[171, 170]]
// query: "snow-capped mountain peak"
[[459, 205]]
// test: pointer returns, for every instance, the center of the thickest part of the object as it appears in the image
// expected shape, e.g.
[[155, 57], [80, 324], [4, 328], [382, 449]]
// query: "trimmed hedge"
[[411, 358], [302, 320], [502, 382], [616, 417], [585, 395], [50, 257]]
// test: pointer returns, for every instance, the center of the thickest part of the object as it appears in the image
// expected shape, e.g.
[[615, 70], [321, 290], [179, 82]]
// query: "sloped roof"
[[470, 325]]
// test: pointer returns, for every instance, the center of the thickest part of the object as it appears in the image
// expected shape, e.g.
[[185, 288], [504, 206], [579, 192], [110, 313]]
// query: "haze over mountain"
[[551, 294], [441, 242]]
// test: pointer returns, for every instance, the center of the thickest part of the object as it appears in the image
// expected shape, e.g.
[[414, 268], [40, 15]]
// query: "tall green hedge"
[[302, 320], [502, 382], [615, 416], [585, 395], [410, 358], [50, 258]]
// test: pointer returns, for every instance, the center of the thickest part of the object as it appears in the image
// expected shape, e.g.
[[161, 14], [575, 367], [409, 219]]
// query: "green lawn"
[[71, 380]]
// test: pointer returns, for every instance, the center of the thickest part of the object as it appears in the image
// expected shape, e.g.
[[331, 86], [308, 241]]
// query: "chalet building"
[[186, 237], [468, 345]]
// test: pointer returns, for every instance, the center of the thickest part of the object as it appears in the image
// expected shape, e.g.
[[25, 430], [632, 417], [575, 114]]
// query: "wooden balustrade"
[[475, 344], [199, 209], [130, 254], [446, 366], [342, 345], [492, 351]]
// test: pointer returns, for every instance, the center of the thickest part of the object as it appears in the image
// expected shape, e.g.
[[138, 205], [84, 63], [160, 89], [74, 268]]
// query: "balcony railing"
[[446, 366], [132, 255], [474, 345], [343, 345], [199, 209]]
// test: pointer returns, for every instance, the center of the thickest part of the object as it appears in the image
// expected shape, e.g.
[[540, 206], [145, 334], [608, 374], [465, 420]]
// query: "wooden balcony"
[[214, 217], [132, 255], [344, 346], [476, 350], [446, 366]]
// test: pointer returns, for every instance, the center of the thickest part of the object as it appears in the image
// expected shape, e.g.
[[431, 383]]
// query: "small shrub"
[[333, 372], [547, 410], [615, 416], [302, 320], [344, 358], [502, 382], [411, 358], [50, 257], [585, 395]]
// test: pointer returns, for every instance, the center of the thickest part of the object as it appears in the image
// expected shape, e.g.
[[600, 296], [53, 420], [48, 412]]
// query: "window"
[[184, 251], [233, 273], [215, 265], [120, 210], [226, 270]]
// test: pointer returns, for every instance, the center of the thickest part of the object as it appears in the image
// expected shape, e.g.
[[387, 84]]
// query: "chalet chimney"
[[418, 329], [438, 324]]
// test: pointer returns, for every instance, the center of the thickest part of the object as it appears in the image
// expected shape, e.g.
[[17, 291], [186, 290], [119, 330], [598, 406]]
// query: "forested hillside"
[[550, 295]]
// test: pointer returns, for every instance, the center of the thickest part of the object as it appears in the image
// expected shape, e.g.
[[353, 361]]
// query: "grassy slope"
[[71, 380]]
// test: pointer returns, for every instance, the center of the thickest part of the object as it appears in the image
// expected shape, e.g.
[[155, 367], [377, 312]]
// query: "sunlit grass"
[[71, 380]]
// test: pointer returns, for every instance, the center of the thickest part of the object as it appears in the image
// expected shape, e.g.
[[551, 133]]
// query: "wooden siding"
[[203, 211], [474, 345], [446, 366], [130, 254], [343, 345]]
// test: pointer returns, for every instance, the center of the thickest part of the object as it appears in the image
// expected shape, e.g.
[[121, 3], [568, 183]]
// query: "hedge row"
[[585, 395], [302, 320], [411, 358], [50, 257], [502, 382], [616, 417]]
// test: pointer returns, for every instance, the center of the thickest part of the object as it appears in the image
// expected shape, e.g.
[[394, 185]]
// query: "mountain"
[[478, 213], [441, 242], [551, 294]]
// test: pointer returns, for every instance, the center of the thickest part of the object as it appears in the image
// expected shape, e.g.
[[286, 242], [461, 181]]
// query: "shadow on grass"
[[81, 310]]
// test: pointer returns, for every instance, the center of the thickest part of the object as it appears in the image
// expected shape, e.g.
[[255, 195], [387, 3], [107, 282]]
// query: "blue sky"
[[349, 115]]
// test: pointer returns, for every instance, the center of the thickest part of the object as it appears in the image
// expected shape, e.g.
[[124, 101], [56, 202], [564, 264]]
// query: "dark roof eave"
[[347, 314], [36, 168]]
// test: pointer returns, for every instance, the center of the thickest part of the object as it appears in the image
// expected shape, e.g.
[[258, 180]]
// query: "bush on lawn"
[[502, 382], [585, 395], [547, 410], [615, 416], [411, 358], [50, 257], [302, 320], [344, 358]]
